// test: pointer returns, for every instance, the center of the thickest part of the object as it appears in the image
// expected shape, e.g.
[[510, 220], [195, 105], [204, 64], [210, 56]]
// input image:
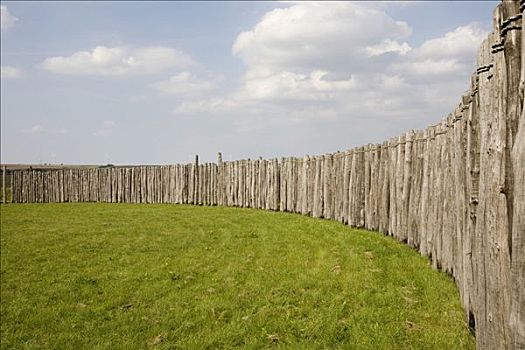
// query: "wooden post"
[[196, 180], [3, 185], [12, 177], [517, 156]]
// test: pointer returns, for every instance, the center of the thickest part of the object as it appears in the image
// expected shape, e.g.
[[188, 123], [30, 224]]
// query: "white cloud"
[[8, 72], [443, 57], [354, 56], [35, 129], [212, 105], [112, 61], [290, 85], [6, 19], [388, 46], [347, 65], [314, 50], [430, 67], [462, 42], [184, 84], [322, 34], [106, 130], [39, 129], [313, 113], [392, 82]]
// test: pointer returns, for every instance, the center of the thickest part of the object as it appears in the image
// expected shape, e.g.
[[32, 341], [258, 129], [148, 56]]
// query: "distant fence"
[[455, 191]]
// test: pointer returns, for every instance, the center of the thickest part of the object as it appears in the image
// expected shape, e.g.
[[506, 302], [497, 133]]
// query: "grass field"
[[119, 276]]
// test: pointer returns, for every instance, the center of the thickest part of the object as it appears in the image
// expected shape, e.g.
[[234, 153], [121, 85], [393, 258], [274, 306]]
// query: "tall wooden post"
[[12, 187], [3, 186], [220, 184], [196, 180]]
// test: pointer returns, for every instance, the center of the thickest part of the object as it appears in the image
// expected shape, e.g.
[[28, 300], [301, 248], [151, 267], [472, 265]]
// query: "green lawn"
[[124, 276]]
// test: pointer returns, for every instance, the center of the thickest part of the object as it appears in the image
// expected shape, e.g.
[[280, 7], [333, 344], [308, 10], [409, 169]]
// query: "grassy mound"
[[120, 276]]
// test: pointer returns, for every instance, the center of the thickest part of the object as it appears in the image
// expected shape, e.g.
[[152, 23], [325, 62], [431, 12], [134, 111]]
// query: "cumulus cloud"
[[387, 46], [6, 19], [8, 72], [442, 57], [459, 43], [294, 86], [340, 67], [325, 35], [114, 61], [430, 67], [185, 84], [314, 51], [353, 56]]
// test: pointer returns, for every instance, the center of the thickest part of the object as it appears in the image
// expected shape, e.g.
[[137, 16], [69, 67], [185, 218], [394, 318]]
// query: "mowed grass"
[[122, 276]]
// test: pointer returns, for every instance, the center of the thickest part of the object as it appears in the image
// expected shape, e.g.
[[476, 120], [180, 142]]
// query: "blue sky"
[[157, 82]]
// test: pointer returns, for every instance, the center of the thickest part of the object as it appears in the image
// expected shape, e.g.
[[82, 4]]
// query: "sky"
[[158, 82]]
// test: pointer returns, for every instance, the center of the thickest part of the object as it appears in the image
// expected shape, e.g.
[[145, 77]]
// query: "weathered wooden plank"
[[4, 198], [517, 159]]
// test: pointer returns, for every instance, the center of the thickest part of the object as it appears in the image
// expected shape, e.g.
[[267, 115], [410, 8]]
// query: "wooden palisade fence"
[[455, 191]]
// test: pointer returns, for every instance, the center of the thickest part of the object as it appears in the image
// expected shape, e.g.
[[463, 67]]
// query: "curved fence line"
[[455, 191]]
